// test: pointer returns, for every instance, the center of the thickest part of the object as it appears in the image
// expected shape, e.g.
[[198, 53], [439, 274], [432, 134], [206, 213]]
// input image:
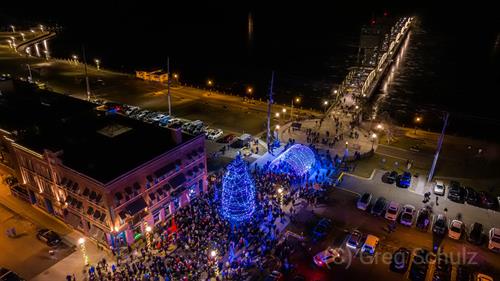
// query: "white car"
[[215, 134], [392, 211], [455, 229], [439, 188], [407, 215], [326, 257], [494, 239]]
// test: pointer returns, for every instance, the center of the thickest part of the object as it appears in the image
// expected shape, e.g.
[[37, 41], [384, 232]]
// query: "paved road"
[[340, 207]]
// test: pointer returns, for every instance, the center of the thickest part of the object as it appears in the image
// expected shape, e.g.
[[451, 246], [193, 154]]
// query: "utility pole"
[[269, 103], [168, 88], [86, 73], [440, 143]]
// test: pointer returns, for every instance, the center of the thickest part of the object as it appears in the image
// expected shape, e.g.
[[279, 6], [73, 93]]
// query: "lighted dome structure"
[[297, 159]]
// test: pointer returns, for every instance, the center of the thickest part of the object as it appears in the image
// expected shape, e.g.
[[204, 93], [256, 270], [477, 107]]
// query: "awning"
[[152, 196], [122, 215], [136, 206], [178, 191], [73, 220], [177, 180], [128, 189], [164, 170], [118, 196], [86, 192]]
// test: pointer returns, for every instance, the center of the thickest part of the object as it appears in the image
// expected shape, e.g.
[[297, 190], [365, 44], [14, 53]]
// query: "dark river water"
[[450, 62]]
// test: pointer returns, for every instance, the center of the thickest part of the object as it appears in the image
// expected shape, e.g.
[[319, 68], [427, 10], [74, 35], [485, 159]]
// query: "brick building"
[[104, 174]]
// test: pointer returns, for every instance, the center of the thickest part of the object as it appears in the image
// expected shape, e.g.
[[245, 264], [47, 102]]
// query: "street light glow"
[[297, 100], [210, 82], [176, 76], [81, 241], [374, 136], [379, 126], [213, 253], [249, 90], [148, 228], [357, 107], [325, 102], [277, 127], [418, 119], [280, 190], [335, 91]]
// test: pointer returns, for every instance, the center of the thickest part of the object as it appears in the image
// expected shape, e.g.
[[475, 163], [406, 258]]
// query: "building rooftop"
[[100, 145]]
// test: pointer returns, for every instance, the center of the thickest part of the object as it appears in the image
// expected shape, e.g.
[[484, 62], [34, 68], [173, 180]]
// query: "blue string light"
[[297, 159], [238, 192]]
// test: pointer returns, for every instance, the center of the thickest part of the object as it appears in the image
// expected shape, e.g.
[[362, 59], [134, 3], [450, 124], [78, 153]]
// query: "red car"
[[227, 139]]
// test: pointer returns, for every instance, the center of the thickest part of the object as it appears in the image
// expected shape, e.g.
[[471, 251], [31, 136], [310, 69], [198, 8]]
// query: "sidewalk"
[[71, 264]]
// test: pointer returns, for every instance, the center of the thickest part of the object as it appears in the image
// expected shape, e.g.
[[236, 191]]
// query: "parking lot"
[[341, 209]]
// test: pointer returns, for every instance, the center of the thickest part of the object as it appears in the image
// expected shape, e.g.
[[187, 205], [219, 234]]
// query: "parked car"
[[355, 239], [215, 134], [390, 177], [423, 219], [49, 237], [328, 256], [274, 276], [440, 225], [494, 239], [9, 275], [392, 211], [439, 188], [487, 201], [400, 260], [419, 266], [404, 180], [370, 245], [455, 229], [379, 206], [364, 201], [227, 138], [476, 234], [443, 268], [407, 215], [471, 196], [245, 151], [321, 229], [456, 192]]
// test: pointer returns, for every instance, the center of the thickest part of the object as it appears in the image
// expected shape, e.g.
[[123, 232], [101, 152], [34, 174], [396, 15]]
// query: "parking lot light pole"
[[81, 242]]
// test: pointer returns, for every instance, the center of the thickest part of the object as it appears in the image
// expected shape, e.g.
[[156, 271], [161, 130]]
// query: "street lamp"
[[210, 83], [81, 242], [418, 119], [373, 136], [277, 115], [249, 90], [13, 29], [176, 76], [325, 103], [380, 127], [277, 127], [148, 237], [75, 58], [41, 27], [297, 100], [22, 35], [97, 63]]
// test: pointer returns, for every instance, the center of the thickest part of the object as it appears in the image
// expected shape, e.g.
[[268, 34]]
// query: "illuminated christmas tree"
[[238, 192]]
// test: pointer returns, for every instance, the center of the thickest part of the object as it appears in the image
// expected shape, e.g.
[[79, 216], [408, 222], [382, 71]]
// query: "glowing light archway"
[[298, 159]]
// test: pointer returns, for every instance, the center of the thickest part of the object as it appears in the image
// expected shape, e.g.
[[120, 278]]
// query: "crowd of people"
[[199, 244]]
